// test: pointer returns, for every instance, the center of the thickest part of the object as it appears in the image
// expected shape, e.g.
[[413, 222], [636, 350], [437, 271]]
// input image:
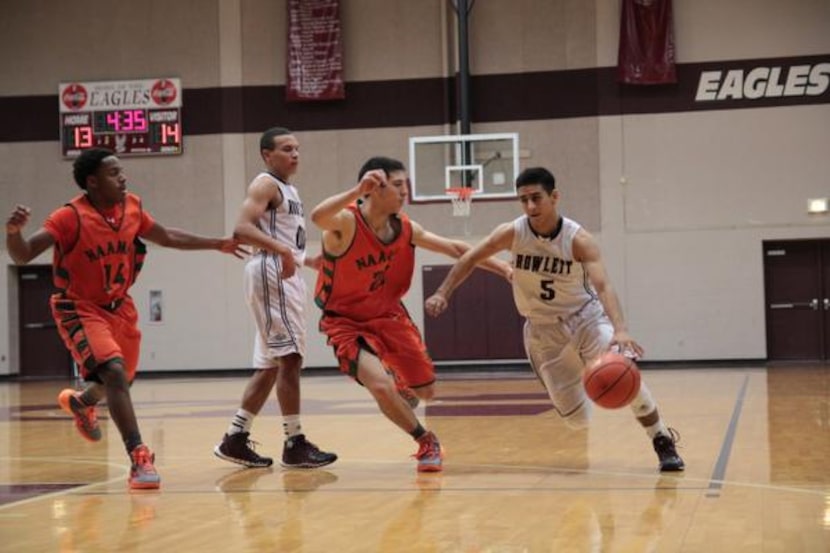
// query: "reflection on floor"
[[515, 479]]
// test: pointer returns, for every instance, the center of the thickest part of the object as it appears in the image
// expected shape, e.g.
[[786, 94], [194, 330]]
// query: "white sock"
[[241, 422], [657, 428], [291, 425], [644, 405]]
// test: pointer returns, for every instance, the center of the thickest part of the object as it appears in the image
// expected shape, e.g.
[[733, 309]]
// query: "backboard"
[[488, 163]]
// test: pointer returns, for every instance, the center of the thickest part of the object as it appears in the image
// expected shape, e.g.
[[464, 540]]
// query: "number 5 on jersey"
[[548, 293]]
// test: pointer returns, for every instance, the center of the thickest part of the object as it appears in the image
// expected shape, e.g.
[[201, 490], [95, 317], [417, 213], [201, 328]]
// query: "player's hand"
[[233, 247], [289, 267], [435, 304], [18, 219], [315, 262], [626, 345], [372, 180]]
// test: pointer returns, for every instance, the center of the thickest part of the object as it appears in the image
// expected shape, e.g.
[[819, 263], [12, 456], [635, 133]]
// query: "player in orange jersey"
[[97, 256], [368, 261]]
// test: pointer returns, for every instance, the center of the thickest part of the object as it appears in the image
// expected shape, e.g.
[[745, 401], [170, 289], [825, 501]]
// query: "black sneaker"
[[300, 453], [670, 461], [236, 448]]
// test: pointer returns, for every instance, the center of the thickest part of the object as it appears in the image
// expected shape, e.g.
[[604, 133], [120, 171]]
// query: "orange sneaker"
[[86, 420], [143, 475], [429, 454]]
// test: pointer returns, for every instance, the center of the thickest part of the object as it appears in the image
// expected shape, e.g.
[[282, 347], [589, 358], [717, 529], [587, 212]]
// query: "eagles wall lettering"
[[764, 82]]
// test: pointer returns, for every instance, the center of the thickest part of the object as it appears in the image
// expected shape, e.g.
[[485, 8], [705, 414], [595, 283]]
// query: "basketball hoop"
[[462, 199]]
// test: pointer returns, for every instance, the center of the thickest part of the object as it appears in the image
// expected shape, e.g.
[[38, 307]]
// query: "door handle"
[[34, 326], [812, 304], [827, 304]]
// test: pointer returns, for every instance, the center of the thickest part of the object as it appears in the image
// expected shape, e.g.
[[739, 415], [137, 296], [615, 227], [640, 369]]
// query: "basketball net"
[[462, 200]]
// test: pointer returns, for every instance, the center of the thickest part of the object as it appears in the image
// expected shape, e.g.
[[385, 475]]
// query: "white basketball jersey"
[[286, 222], [547, 281]]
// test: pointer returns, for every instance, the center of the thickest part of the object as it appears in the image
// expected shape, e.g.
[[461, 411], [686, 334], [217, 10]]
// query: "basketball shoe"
[[429, 454], [298, 452], [143, 475], [238, 448], [664, 445], [86, 420]]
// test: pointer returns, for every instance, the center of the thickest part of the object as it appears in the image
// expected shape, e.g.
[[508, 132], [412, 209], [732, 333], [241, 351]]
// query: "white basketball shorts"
[[278, 308], [558, 350]]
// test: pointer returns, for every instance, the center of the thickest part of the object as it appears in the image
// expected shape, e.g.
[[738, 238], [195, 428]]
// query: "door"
[[825, 295], [797, 290], [42, 353]]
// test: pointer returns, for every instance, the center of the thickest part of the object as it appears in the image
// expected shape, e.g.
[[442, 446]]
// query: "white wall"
[[682, 236], [688, 198]]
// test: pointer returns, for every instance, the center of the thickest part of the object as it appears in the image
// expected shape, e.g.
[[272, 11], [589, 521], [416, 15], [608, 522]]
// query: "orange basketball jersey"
[[104, 261], [370, 278]]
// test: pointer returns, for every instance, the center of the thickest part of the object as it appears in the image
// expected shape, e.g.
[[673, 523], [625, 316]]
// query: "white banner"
[[109, 95]]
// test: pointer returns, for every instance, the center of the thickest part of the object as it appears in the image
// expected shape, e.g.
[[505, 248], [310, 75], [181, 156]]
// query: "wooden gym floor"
[[756, 442]]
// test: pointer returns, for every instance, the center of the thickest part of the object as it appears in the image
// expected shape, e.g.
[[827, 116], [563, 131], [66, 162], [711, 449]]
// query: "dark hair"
[[266, 141], [88, 163], [379, 162], [536, 175]]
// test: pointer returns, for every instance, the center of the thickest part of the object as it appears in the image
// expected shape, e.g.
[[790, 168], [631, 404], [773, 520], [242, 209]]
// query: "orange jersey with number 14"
[[103, 261]]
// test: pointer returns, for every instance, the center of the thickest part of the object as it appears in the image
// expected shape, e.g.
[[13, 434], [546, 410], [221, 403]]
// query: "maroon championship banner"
[[646, 53], [315, 53]]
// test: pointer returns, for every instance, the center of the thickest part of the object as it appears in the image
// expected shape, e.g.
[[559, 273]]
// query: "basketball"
[[612, 381]]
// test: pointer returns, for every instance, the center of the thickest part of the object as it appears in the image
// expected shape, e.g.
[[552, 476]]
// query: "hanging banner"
[[315, 53], [646, 52]]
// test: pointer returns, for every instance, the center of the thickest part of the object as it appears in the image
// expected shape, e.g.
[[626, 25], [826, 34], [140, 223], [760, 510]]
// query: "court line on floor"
[[716, 480], [683, 482], [67, 491]]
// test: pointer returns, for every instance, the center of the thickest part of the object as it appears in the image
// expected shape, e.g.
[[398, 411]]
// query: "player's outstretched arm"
[[480, 254], [20, 249], [457, 248], [183, 240]]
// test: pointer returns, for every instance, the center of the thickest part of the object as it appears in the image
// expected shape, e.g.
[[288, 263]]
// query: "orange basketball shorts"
[[95, 335], [395, 340]]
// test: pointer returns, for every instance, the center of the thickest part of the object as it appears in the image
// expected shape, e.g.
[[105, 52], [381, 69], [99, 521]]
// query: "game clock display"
[[147, 120], [128, 131]]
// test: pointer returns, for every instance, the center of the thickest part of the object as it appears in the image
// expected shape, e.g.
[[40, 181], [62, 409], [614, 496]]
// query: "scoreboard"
[[128, 117]]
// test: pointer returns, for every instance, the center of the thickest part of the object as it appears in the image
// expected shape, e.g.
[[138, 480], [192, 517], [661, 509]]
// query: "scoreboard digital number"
[[128, 117]]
